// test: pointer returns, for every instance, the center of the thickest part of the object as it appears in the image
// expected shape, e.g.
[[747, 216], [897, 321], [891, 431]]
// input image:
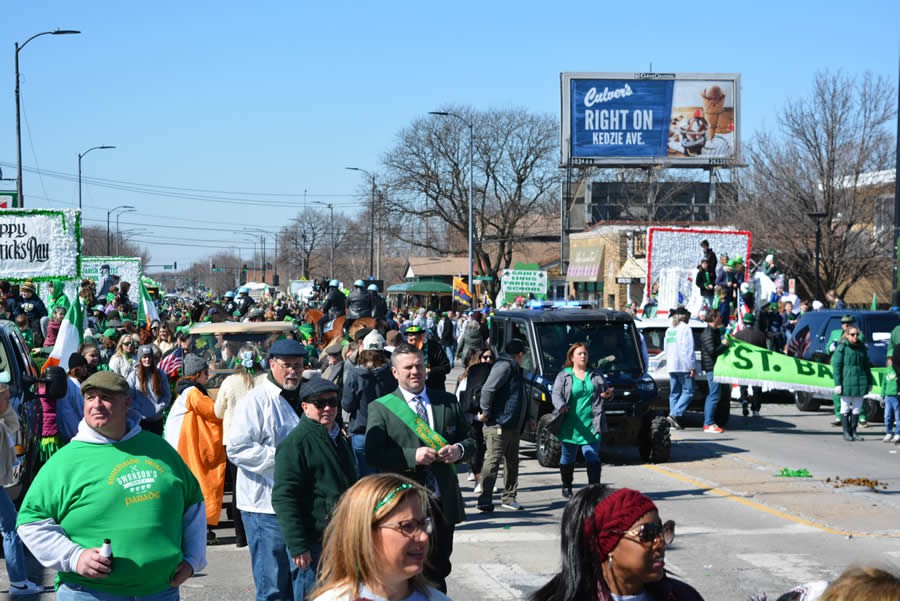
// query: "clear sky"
[[211, 104]]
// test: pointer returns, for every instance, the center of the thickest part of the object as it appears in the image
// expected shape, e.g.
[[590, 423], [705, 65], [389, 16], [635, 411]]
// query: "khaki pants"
[[500, 444]]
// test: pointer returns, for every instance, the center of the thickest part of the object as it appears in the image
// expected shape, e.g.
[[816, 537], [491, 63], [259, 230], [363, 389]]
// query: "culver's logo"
[[593, 97]]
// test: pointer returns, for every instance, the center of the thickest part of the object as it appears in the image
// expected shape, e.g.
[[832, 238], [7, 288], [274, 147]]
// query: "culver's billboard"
[[681, 119]]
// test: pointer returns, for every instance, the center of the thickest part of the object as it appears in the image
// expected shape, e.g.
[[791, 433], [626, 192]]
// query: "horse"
[[360, 323]]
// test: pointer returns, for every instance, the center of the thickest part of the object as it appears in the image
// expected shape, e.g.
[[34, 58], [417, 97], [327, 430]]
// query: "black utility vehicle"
[[612, 341]]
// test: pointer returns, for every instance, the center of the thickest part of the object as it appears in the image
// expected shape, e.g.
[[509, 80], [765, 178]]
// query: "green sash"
[[405, 414]]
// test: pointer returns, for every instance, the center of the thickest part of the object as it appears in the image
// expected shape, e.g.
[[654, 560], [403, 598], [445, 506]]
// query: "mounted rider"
[[228, 302], [379, 305], [359, 304], [244, 300], [334, 306]]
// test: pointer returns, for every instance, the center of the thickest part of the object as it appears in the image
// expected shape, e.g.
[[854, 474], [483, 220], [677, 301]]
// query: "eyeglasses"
[[321, 403], [487, 357], [295, 366], [648, 533], [127, 343], [410, 527]]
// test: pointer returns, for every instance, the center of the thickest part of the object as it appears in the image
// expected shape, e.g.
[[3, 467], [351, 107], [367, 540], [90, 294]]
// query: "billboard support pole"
[[713, 180]]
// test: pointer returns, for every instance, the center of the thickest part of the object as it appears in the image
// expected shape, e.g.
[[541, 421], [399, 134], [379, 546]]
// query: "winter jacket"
[[335, 304], [361, 387], [379, 306], [503, 400], [705, 281], [58, 297], [469, 390], [244, 302], [359, 304], [312, 471], [436, 363], [52, 331], [710, 348], [469, 340], [149, 404], [852, 369], [751, 335], [562, 392], [679, 348]]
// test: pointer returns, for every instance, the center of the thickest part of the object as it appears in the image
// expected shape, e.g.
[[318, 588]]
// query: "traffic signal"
[[213, 266], [245, 268], [175, 265], [275, 279]]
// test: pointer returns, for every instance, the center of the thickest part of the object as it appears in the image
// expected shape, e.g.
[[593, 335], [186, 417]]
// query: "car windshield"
[[881, 326], [611, 345]]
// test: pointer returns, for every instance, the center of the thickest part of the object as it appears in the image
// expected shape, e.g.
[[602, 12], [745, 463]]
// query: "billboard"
[[40, 244], [634, 119]]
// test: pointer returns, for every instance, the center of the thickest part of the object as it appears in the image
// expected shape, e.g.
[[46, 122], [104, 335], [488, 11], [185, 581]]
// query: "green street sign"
[[483, 278]]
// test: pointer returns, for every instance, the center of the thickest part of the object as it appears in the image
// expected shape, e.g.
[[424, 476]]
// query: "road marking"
[[497, 580], [787, 529], [503, 536], [759, 506], [792, 567]]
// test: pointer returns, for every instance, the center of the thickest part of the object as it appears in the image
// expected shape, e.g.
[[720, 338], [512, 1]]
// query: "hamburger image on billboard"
[[702, 122]]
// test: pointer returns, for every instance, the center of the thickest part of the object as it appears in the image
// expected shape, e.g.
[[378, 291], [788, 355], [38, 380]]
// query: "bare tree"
[[94, 244], [307, 236], [515, 181], [820, 159]]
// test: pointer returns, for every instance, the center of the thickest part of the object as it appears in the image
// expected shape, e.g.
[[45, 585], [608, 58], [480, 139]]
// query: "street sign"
[[483, 278]]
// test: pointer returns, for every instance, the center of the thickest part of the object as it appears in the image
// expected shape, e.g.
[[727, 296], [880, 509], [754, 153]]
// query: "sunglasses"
[[410, 527], [854, 334], [648, 533], [321, 403], [487, 357]]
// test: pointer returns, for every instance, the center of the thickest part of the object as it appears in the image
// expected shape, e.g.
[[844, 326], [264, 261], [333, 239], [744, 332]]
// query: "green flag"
[[874, 302]]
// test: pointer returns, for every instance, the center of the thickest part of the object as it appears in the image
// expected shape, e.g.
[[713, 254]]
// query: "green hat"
[[749, 318], [735, 262], [110, 333], [848, 319], [106, 380], [414, 330]]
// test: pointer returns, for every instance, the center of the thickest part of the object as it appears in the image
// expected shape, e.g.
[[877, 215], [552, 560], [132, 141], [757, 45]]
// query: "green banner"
[[746, 364]]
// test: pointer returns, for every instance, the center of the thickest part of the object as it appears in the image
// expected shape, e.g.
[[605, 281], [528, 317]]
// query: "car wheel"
[[805, 401], [549, 450], [874, 410], [655, 441]]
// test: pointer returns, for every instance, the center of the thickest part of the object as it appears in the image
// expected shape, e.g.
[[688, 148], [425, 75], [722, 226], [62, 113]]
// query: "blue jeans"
[[712, 401], [76, 592], [891, 412], [12, 546], [273, 571], [305, 580], [681, 391], [358, 442], [591, 454], [450, 351]]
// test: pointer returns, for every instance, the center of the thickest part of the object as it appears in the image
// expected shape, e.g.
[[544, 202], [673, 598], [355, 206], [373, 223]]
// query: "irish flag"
[[69, 338], [146, 309]]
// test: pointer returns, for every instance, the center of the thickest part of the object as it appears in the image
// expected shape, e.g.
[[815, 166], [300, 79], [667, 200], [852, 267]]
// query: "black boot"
[[854, 423], [567, 475], [593, 472], [845, 427]]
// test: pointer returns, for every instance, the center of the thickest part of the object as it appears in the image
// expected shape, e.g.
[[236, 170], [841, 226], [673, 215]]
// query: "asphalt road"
[[741, 529]]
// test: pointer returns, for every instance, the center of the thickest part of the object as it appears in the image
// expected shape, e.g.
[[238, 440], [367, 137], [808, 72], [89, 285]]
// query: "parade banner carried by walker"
[[523, 282], [128, 269], [640, 118], [39, 244], [750, 365]]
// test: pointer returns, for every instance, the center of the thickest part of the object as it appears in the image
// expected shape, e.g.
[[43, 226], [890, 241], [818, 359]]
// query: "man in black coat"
[[437, 366], [711, 346], [751, 335]]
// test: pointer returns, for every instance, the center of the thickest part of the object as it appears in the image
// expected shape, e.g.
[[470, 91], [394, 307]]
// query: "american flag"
[[799, 343], [171, 363]]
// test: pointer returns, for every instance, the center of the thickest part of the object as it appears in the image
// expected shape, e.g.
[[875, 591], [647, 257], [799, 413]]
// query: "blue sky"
[[276, 98]]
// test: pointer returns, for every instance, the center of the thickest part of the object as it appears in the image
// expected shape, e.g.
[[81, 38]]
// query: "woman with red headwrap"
[[614, 546]]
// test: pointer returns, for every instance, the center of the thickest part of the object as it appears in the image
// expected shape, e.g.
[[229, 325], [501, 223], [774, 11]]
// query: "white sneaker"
[[478, 489], [896, 438], [888, 438], [26, 587], [512, 505], [471, 477], [756, 414]]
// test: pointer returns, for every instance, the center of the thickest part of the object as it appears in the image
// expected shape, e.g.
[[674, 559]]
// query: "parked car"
[[654, 331], [811, 338], [19, 373], [612, 341]]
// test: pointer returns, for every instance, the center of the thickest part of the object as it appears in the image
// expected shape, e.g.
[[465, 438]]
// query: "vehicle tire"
[[874, 410], [805, 401], [549, 450], [655, 442], [723, 409]]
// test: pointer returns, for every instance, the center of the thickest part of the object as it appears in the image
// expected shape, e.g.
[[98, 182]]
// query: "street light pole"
[[331, 209], [129, 210], [80, 156], [471, 191], [371, 220], [112, 210], [817, 216], [20, 200]]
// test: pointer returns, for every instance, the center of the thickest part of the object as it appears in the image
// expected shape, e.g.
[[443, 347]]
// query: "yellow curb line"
[[763, 508]]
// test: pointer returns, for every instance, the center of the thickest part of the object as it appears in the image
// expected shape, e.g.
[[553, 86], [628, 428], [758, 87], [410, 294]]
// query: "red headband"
[[613, 515]]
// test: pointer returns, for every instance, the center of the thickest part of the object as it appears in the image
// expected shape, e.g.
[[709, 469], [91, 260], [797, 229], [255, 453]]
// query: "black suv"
[[612, 341], [811, 339]]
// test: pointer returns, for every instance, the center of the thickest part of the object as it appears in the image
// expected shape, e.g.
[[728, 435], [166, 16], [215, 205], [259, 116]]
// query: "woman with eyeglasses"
[[122, 361], [150, 392], [614, 546], [376, 543], [468, 392], [578, 396], [852, 371]]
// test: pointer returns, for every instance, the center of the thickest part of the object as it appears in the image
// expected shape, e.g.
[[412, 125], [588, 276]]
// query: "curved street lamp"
[[471, 195], [128, 210], [372, 221], [80, 156], [20, 200], [108, 213]]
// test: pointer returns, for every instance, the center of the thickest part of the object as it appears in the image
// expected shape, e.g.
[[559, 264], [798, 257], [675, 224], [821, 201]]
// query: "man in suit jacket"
[[392, 445]]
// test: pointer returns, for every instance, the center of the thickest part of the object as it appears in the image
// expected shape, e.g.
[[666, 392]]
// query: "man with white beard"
[[261, 420]]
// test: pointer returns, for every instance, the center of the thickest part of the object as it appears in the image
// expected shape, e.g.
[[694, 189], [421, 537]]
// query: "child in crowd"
[[25, 330]]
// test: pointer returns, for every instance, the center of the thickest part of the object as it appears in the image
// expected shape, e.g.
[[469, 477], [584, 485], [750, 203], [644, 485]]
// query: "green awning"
[[420, 288]]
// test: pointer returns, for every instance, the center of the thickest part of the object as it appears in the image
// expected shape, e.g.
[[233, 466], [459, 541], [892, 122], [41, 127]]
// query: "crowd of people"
[[342, 451]]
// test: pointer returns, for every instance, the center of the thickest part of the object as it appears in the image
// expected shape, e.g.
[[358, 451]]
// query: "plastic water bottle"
[[106, 549]]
